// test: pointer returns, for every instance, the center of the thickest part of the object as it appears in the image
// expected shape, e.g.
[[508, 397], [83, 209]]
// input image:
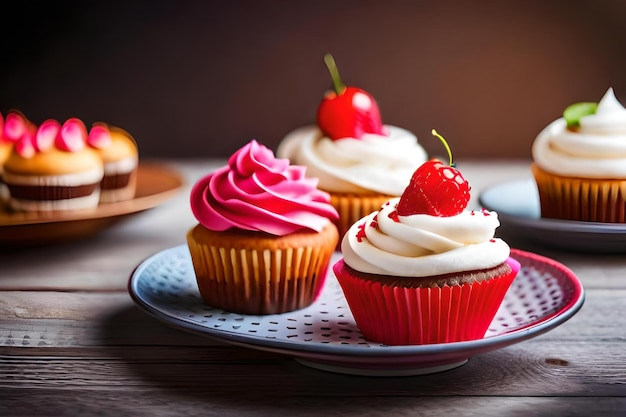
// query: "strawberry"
[[347, 111], [435, 189]]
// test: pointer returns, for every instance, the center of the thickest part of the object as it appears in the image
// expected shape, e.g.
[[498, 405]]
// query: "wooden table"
[[73, 343]]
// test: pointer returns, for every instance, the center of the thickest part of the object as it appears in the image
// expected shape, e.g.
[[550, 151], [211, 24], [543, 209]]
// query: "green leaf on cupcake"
[[576, 111]]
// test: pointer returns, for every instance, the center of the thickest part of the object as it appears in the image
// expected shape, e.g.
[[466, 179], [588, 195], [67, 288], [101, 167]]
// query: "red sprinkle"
[[360, 235], [492, 240], [394, 216], [374, 223]]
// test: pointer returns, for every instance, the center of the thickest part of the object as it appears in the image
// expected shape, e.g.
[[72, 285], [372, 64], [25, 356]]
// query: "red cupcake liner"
[[395, 315]]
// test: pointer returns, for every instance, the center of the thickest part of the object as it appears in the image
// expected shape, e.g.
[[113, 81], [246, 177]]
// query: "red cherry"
[[347, 111], [435, 189]]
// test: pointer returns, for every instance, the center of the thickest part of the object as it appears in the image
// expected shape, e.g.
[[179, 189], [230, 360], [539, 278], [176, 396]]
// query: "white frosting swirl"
[[422, 245], [374, 163], [597, 149]]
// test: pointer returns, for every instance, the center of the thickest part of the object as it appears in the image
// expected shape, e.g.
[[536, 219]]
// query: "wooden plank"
[[106, 327], [103, 263], [533, 368], [102, 340], [46, 402], [58, 319]]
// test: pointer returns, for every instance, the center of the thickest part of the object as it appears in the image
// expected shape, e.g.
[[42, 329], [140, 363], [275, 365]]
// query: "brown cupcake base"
[[353, 207], [582, 199], [256, 273], [435, 281], [118, 187]]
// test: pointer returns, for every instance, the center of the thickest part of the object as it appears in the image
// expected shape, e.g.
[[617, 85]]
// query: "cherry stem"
[[334, 74], [434, 132]]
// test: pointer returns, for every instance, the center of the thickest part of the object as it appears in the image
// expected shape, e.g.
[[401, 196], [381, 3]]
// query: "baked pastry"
[[358, 160], [423, 269], [6, 147], [119, 154], [265, 234], [52, 168], [579, 163]]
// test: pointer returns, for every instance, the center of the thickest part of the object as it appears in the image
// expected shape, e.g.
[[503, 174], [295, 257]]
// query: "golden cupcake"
[[358, 160], [265, 234], [5, 150], [119, 154], [579, 163], [52, 168]]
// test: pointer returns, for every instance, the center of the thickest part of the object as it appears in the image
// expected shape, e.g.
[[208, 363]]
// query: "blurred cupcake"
[[6, 146], [265, 234], [359, 161], [51, 168], [580, 163], [119, 154], [422, 269]]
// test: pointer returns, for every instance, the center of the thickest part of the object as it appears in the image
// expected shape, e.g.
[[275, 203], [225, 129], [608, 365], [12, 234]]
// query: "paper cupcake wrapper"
[[49, 203], [580, 199], [251, 281], [414, 316], [118, 187], [353, 207], [53, 192]]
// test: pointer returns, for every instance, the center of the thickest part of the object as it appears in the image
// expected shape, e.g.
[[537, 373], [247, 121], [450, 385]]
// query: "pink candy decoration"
[[72, 137], [46, 135], [24, 146], [99, 136], [14, 127]]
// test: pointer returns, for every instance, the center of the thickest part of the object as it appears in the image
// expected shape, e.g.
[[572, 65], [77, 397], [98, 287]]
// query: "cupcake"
[[265, 234], [6, 146], [51, 168], [579, 163], [423, 269], [358, 160], [119, 154]]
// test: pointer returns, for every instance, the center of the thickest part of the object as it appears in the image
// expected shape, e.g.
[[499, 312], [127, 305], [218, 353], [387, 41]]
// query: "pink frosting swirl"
[[259, 192]]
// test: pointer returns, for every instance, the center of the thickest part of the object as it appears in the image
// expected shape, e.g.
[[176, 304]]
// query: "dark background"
[[202, 78]]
